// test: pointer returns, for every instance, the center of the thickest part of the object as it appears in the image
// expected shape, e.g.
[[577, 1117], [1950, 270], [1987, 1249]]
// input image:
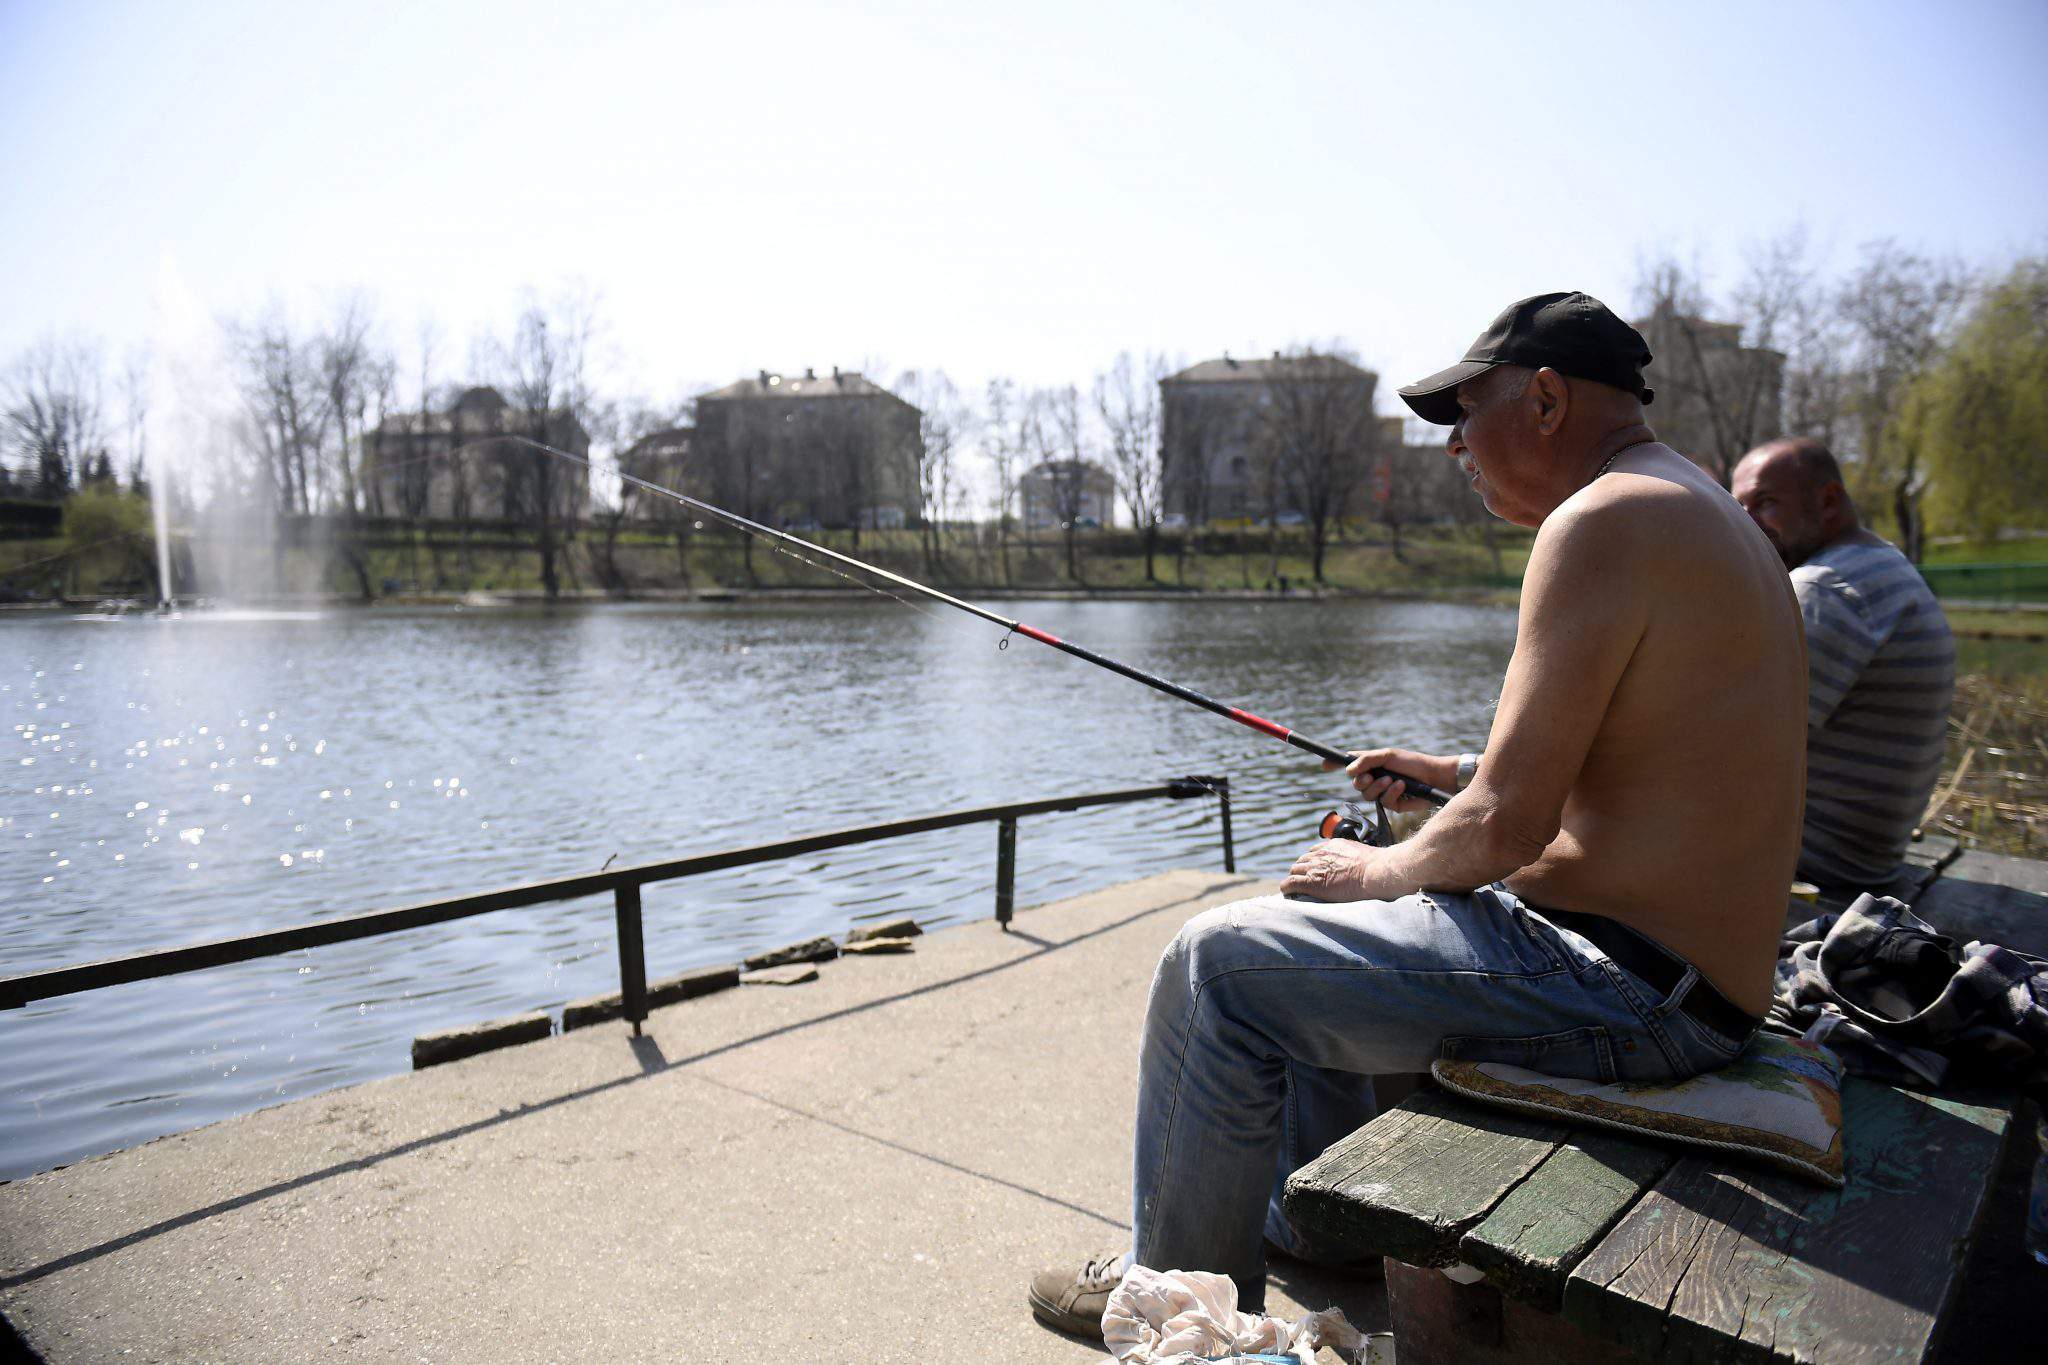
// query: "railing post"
[[632, 958], [1222, 785], [1006, 871]]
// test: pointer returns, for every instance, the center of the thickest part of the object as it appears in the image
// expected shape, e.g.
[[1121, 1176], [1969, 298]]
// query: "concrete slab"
[[868, 1167]]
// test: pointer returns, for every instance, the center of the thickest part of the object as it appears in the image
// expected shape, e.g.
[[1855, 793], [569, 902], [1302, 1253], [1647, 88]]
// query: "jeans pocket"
[[1543, 939], [1584, 1054], [1708, 1046]]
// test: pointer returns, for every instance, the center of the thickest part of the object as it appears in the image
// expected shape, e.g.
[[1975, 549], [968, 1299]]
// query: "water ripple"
[[168, 781]]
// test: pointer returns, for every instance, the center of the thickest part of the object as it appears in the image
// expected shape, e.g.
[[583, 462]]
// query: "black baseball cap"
[[1572, 333]]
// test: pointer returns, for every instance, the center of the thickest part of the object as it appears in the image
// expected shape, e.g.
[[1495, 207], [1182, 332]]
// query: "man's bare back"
[[1684, 819]]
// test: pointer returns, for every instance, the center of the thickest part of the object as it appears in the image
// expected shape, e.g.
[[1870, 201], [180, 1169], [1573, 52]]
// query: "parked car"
[[1173, 521]]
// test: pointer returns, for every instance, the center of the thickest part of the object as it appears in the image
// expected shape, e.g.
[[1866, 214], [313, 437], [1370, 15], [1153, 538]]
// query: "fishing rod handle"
[[1412, 786]]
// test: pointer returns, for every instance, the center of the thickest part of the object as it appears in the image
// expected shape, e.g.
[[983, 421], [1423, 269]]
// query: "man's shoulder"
[[1857, 558], [1655, 547], [1647, 502], [1859, 567], [1667, 512]]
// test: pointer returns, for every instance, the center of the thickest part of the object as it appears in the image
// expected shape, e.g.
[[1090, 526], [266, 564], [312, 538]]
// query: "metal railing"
[[624, 885]]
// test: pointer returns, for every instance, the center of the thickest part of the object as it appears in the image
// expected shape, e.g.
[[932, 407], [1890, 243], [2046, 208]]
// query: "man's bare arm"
[[1584, 605]]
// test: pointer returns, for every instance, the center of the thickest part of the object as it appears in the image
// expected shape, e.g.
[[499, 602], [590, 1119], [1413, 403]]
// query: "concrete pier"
[[867, 1167]]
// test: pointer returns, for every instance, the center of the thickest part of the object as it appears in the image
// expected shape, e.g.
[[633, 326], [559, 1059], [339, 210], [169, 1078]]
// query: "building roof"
[[1066, 469], [655, 444], [482, 400], [771, 385], [481, 396], [1229, 370]]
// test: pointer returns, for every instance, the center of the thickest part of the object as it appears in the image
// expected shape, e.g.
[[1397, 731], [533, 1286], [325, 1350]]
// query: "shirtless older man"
[[1601, 900]]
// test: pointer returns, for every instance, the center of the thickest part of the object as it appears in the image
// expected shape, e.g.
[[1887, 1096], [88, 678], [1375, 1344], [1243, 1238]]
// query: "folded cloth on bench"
[[1780, 1102], [1904, 1004]]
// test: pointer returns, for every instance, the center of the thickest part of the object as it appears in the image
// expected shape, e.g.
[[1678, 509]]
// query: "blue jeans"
[[1268, 1019]]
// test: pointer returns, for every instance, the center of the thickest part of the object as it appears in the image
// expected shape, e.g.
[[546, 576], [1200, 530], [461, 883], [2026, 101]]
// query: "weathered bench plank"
[[1411, 1182], [1546, 1225], [1729, 1263]]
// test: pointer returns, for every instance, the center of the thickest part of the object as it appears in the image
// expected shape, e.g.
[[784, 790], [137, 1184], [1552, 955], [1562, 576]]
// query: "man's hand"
[[1436, 770], [1339, 870]]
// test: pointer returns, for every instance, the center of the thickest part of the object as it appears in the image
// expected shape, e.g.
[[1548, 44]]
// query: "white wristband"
[[1468, 768]]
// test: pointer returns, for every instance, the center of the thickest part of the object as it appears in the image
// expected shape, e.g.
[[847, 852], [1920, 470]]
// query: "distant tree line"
[[1929, 383]]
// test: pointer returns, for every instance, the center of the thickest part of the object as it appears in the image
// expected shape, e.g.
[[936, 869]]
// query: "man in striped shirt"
[[1880, 658]]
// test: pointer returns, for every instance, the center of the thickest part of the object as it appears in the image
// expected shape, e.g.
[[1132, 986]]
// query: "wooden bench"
[[1581, 1247], [1588, 1246]]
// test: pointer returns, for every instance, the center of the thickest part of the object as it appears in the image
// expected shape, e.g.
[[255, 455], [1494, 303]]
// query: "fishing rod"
[[1172, 689]]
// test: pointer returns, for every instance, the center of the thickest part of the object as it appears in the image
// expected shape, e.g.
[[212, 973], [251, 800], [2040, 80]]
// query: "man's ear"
[[1833, 497], [1552, 397]]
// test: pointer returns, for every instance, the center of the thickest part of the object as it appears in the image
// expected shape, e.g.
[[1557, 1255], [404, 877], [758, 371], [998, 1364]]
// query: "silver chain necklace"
[[1609, 463]]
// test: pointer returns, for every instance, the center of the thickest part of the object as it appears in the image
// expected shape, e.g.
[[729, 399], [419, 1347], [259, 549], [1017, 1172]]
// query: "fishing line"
[[737, 522], [1187, 694]]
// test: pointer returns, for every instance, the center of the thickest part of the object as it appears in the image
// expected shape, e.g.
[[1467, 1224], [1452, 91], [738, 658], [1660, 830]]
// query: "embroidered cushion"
[[1779, 1102]]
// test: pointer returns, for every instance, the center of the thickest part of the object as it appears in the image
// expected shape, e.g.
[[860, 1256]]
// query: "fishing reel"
[[1358, 820]]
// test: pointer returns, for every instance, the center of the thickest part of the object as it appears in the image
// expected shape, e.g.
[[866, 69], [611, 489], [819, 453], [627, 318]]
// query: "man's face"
[[1488, 441], [1778, 501]]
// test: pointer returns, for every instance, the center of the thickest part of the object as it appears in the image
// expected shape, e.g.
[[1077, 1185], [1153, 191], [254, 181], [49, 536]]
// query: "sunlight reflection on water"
[[173, 781]]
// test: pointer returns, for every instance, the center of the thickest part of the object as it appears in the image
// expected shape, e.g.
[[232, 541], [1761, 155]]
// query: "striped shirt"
[[1882, 668]]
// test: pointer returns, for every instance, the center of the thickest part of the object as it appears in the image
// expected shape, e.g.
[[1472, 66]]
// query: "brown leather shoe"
[[1073, 1300]]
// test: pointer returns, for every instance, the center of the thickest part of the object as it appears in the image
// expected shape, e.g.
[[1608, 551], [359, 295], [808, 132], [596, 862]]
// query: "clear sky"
[[1021, 189]]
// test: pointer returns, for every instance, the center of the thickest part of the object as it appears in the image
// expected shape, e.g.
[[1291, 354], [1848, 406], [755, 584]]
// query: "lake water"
[[168, 781]]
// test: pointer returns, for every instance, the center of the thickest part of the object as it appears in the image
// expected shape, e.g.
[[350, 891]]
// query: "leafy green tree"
[[1980, 412]]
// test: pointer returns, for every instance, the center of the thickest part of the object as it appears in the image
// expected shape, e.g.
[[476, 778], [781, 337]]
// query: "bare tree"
[[943, 423], [615, 426], [744, 455], [1898, 309], [135, 419], [352, 371], [1717, 380], [350, 367], [1400, 492], [656, 444], [645, 441], [852, 448], [53, 415], [1192, 432], [287, 407], [1008, 425], [1320, 432], [1784, 305], [1062, 447], [1127, 400], [546, 369]]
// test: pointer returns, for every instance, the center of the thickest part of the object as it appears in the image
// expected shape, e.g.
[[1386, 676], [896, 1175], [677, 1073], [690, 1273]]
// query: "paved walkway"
[[867, 1167]]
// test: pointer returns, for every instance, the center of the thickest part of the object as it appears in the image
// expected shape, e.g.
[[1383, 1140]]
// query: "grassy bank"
[[1991, 623], [309, 557]]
